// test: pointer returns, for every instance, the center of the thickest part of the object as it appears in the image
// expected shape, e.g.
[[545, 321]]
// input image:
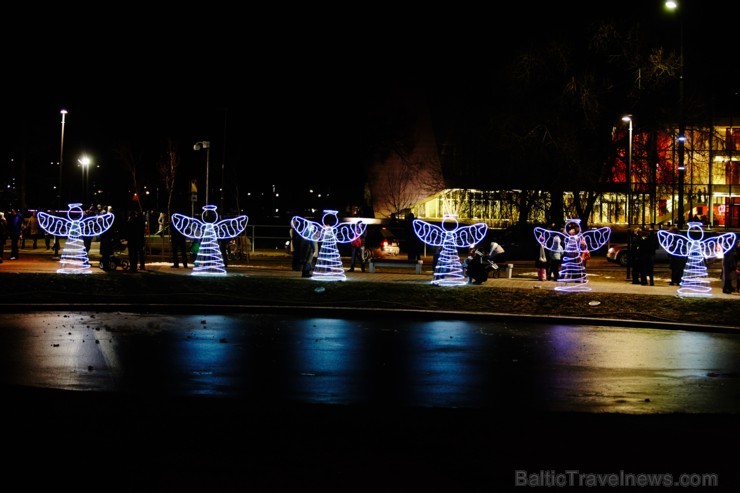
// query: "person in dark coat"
[[306, 251], [15, 230], [135, 237], [179, 248]]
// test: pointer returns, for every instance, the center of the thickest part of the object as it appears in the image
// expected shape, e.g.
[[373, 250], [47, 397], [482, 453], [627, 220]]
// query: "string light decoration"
[[329, 233], [572, 270], [449, 236], [209, 261], [75, 226], [694, 280]]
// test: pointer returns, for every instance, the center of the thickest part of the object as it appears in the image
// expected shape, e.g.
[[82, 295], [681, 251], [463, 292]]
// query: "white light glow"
[[209, 261], [449, 237], [328, 233], [694, 281], [74, 258], [572, 270]]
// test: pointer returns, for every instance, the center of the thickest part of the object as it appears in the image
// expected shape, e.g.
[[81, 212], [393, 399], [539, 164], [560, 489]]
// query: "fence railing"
[[255, 237]]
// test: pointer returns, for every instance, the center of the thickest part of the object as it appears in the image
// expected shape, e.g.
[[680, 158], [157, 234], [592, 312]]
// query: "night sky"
[[285, 97]]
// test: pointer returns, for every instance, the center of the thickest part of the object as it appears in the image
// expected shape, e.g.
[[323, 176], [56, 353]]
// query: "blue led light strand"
[[329, 233], [693, 245], [572, 271], [75, 226], [449, 237], [209, 261]]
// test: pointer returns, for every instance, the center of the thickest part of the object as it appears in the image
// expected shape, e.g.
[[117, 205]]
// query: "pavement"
[[603, 277]]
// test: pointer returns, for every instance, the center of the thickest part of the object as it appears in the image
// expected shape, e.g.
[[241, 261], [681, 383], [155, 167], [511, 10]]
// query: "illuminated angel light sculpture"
[[75, 226], [572, 270], [209, 261], [694, 281], [329, 233], [449, 236]]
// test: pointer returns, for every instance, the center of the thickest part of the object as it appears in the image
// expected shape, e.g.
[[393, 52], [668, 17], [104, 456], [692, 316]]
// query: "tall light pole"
[[84, 164], [204, 144], [673, 5], [628, 118], [61, 163]]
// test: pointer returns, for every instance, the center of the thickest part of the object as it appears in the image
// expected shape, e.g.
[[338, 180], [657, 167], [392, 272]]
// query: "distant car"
[[518, 241], [381, 242], [618, 253]]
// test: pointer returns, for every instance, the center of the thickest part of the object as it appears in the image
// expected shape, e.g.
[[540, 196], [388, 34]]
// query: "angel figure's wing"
[[470, 235], [711, 247], [230, 227], [310, 230], [346, 232], [95, 225], [188, 226], [597, 238], [54, 225], [673, 243], [546, 237], [431, 234]]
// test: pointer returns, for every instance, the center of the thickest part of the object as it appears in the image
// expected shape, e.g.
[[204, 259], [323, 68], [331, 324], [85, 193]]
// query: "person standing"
[[135, 237], [646, 246], [357, 253], [541, 262], [729, 270], [634, 258], [676, 263], [556, 259], [15, 230], [179, 248], [107, 240], [34, 230], [413, 241], [306, 250]]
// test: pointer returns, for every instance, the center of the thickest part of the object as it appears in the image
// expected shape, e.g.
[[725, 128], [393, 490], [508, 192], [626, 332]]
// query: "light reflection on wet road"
[[450, 363]]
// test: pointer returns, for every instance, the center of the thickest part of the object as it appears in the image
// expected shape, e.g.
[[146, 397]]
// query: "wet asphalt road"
[[261, 402]]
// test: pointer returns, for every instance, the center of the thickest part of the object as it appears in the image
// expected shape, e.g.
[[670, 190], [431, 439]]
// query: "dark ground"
[[159, 291]]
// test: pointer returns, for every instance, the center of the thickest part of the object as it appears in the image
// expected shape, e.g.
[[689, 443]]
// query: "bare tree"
[[125, 154], [406, 180], [168, 172]]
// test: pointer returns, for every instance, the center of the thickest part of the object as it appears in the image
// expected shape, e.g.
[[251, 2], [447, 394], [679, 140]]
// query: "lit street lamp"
[[61, 162], [628, 118], [204, 144], [673, 5]]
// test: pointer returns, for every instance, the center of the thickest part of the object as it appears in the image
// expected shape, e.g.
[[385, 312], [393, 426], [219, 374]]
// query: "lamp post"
[[61, 162], [204, 144], [628, 118], [84, 164], [673, 5]]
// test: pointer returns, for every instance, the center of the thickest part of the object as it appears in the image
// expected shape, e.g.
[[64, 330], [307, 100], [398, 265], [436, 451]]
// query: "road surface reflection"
[[449, 363]]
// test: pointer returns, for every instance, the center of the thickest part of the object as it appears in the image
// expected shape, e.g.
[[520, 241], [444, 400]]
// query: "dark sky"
[[283, 95]]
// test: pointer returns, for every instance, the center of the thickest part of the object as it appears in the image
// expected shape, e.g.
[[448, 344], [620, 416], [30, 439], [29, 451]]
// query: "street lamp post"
[[84, 164], [628, 118], [673, 5], [61, 163], [204, 144]]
